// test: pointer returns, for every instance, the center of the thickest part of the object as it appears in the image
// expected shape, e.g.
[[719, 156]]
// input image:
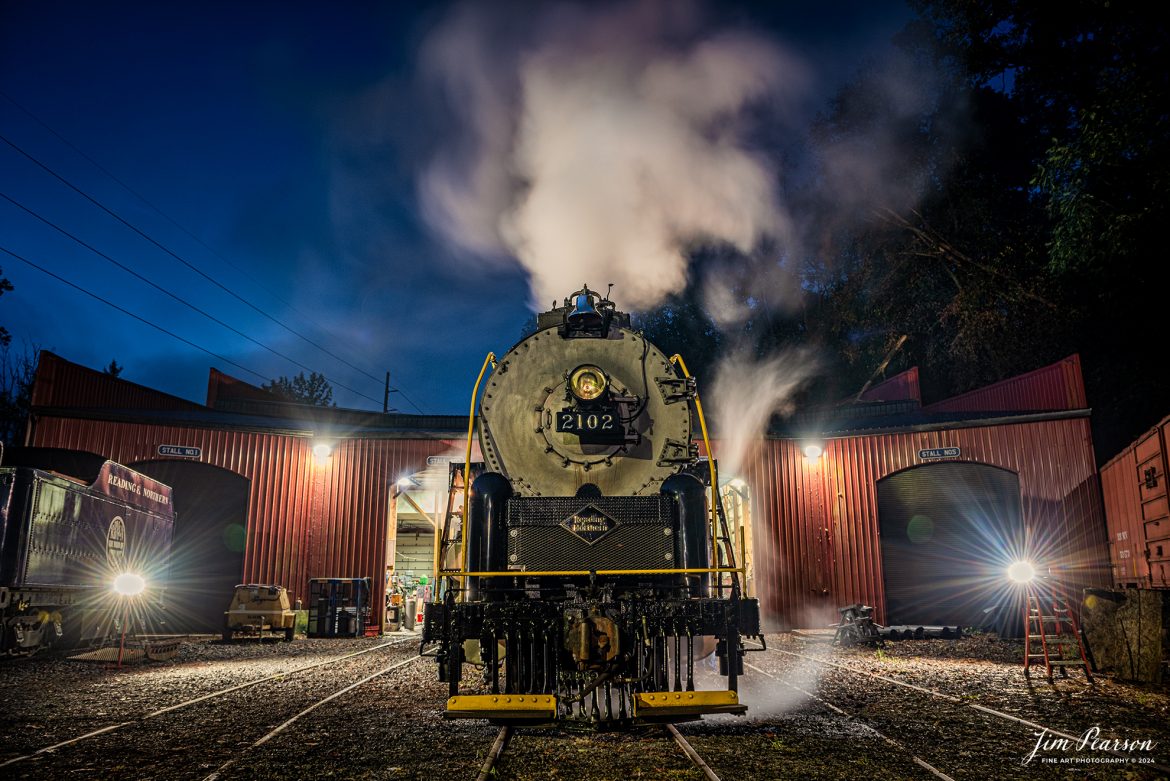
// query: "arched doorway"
[[948, 532], [207, 554]]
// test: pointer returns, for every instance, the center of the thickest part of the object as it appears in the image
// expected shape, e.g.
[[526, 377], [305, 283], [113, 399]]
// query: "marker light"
[[813, 451], [1021, 572], [322, 451], [129, 584], [587, 382]]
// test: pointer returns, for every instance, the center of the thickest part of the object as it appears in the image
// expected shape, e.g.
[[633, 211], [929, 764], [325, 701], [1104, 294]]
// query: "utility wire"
[[60, 278], [189, 265], [168, 293], [143, 199]]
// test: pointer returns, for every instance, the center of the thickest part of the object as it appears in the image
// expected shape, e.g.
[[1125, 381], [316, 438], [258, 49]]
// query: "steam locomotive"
[[593, 576], [65, 545]]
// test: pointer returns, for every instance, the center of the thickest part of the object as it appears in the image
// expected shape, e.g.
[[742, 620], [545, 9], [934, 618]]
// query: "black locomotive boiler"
[[594, 577]]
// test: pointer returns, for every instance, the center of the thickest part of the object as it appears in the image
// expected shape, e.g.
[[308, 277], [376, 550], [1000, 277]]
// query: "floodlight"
[[129, 584], [812, 451], [1021, 572]]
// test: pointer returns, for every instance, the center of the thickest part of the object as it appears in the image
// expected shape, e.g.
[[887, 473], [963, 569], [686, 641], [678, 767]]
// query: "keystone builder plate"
[[589, 524]]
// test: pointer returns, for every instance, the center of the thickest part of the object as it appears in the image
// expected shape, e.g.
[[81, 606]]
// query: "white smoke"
[[748, 391], [608, 140]]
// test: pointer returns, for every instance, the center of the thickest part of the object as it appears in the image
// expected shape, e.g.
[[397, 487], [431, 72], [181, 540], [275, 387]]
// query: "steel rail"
[[217, 773], [951, 698], [689, 750], [503, 737], [890, 741], [186, 703]]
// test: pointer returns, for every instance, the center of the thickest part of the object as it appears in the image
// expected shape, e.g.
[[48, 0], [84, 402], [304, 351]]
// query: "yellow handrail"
[[583, 572], [490, 359], [676, 358]]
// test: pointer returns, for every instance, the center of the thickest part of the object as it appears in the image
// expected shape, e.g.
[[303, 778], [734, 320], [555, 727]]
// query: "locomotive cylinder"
[[487, 541], [692, 550]]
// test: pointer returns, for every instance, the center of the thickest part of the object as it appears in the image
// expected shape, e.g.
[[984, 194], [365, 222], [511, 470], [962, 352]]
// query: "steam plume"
[[605, 143], [748, 391]]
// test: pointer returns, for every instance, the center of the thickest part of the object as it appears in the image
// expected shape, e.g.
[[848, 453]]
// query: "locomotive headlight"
[[587, 382]]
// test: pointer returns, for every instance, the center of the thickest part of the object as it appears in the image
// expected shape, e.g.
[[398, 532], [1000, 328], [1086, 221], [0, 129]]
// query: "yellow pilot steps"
[[1054, 626], [543, 707]]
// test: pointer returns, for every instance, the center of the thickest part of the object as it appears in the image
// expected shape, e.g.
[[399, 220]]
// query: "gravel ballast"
[[392, 727]]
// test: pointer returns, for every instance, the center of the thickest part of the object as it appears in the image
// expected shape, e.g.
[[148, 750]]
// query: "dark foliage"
[[1016, 221], [314, 389], [17, 372]]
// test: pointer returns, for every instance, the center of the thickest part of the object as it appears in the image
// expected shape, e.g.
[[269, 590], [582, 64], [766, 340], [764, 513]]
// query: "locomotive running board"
[[651, 706], [526, 707]]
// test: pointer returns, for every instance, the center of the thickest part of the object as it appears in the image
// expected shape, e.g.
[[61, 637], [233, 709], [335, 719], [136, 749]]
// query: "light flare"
[[129, 584], [1021, 572]]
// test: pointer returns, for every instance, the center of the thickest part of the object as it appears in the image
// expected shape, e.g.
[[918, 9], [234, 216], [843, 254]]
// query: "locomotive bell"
[[583, 314]]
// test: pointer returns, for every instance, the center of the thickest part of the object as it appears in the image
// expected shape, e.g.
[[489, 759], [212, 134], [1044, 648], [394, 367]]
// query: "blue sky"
[[276, 148]]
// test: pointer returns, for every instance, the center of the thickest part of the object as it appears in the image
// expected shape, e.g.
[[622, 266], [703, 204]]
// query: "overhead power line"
[[194, 268], [169, 294], [140, 319], [147, 202]]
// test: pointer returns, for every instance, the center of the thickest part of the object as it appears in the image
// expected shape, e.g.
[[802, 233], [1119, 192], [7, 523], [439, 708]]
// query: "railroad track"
[[504, 738], [869, 728], [1037, 728], [206, 697], [219, 772]]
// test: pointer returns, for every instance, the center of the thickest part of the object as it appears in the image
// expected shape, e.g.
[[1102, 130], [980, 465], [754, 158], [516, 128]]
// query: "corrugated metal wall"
[[1137, 511], [816, 527], [304, 520], [60, 383], [1055, 387], [901, 386]]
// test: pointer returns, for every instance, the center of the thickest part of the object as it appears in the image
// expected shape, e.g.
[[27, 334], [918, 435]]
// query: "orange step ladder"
[[1049, 621]]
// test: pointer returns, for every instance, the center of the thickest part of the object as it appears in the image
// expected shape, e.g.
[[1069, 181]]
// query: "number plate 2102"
[[580, 421]]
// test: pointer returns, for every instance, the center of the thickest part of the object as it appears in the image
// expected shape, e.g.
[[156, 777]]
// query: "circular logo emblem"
[[116, 544]]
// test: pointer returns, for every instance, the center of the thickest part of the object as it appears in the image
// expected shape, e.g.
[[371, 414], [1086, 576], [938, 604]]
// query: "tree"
[[314, 389], [5, 287], [114, 369], [942, 264], [1086, 84], [17, 372]]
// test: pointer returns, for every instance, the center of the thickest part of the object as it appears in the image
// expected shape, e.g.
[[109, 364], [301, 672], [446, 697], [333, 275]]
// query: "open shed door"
[[948, 532]]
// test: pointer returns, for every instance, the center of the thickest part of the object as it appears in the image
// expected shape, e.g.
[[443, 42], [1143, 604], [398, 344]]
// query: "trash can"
[[393, 618]]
